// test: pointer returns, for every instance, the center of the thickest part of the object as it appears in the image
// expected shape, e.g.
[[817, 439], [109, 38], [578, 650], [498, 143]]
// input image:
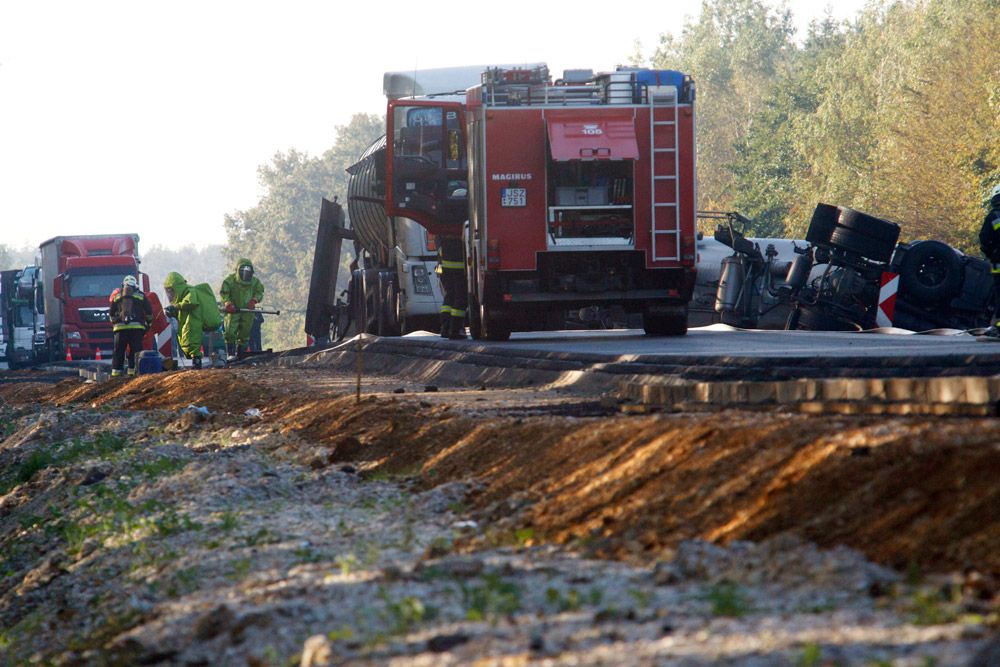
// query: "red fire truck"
[[570, 194]]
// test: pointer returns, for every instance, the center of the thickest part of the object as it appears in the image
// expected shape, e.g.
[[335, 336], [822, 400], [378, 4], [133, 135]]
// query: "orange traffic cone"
[[98, 354], [69, 357]]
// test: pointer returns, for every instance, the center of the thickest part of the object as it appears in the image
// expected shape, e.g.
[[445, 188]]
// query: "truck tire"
[[493, 328], [855, 241], [869, 225], [387, 321], [475, 318], [930, 272], [822, 224], [814, 319], [665, 324]]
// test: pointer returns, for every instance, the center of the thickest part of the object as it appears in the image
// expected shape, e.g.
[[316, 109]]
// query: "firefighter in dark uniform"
[[989, 243], [131, 315], [451, 262]]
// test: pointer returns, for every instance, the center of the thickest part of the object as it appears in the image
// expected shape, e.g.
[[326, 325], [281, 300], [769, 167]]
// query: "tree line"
[[895, 112]]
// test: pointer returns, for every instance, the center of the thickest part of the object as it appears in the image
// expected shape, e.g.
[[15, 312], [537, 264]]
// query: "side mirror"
[[59, 286]]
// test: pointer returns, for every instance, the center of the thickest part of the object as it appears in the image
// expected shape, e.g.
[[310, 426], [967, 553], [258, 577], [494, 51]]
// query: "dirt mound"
[[905, 491]]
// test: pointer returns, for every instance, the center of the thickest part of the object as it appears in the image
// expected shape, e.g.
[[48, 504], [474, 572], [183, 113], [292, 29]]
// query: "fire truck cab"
[[569, 194]]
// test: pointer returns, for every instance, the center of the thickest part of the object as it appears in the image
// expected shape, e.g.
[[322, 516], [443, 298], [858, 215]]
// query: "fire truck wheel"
[[869, 225], [930, 272], [824, 221], [495, 329], [492, 327], [852, 240]]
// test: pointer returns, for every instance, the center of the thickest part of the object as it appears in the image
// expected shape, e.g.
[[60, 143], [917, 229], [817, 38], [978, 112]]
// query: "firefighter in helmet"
[[989, 243], [451, 262], [131, 316], [187, 308], [241, 292]]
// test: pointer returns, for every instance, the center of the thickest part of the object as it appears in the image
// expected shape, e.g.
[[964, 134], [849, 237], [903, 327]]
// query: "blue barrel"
[[148, 361]]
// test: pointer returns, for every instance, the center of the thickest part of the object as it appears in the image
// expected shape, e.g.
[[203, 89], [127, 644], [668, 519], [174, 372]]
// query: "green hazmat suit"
[[190, 318], [240, 293]]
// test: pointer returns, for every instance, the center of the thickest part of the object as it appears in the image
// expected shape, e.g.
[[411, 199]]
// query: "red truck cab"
[[80, 273]]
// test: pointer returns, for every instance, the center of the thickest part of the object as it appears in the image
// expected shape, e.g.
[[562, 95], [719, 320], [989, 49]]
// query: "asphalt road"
[[721, 341], [721, 351]]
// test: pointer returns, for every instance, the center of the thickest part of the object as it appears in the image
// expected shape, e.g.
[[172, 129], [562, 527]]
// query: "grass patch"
[[727, 599], [161, 467], [103, 445], [228, 522], [811, 655], [493, 598], [105, 512], [570, 601], [402, 615]]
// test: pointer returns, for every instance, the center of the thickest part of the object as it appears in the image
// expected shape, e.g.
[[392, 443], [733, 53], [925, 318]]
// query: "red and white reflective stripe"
[[163, 342], [887, 299], [310, 341]]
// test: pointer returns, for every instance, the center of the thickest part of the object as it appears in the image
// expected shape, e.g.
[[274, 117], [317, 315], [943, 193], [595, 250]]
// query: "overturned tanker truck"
[[850, 274]]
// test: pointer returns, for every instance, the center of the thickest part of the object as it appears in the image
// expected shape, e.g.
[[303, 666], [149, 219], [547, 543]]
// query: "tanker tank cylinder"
[[730, 285], [798, 271], [365, 193]]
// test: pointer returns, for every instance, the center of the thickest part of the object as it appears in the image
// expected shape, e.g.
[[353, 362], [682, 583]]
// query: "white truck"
[[22, 329]]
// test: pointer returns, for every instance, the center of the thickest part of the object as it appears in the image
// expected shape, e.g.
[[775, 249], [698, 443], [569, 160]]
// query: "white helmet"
[[130, 281], [995, 192]]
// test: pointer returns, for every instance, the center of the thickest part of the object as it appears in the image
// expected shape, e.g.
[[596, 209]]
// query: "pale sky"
[[152, 117]]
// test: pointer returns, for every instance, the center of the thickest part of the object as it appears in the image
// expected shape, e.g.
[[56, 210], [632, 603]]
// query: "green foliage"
[[161, 467], [105, 512], [811, 655], [228, 522], [894, 113], [727, 599], [734, 51], [36, 461], [279, 233], [103, 445], [493, 598], [406, 613], [570, 601], [241, 568]]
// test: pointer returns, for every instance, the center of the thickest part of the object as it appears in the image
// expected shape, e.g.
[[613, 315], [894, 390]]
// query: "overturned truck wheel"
[[930, 272], [661, 321]]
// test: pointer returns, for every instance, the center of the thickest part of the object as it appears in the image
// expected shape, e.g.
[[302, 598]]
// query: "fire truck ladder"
[[664, 185]]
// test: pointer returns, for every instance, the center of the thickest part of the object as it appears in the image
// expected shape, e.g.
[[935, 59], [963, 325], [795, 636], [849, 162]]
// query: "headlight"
[[421, 282]]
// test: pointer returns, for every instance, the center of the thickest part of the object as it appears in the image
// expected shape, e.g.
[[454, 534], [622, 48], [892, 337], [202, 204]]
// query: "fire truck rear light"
[[432, 245], [673, 293], [493, 254], [507, 298]]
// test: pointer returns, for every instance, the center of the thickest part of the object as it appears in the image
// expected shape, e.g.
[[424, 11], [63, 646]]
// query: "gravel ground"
[[172, 537]]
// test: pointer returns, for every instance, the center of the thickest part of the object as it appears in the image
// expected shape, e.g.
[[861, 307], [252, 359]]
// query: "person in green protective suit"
[[187, 307], [241, 292]]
